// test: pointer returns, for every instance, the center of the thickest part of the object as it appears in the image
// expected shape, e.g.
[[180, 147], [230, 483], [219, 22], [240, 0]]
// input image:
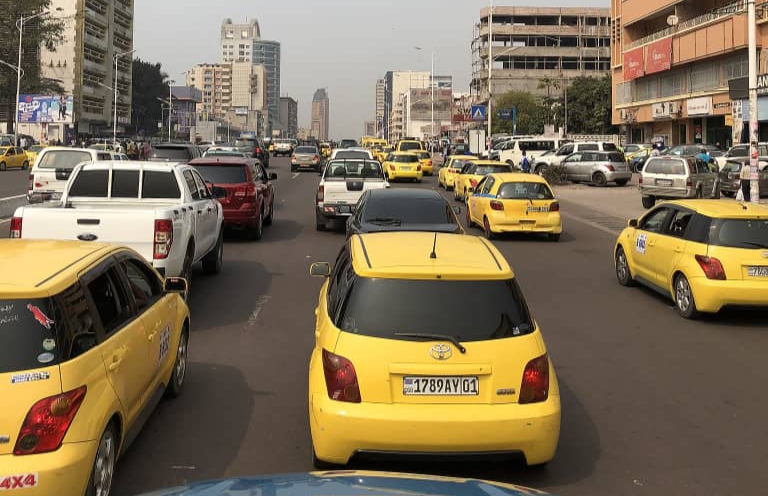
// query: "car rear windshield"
[[665, 166], [458, 164], [483, 170], [616, 157], [609, 147], [347, 143], [306, 149], [525, 191], [405, 146], [498, 309], [423, 155], [27, 335], [732, 166], [342, 169], [223, 174], [172, 153], [409, 211], [351, 154], [63, 159], [739, 233], [244, 143], [405, 159], [157, 185]]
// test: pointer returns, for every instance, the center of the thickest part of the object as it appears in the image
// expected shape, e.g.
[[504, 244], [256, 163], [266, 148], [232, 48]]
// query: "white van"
[[49, 175], [511, 152]]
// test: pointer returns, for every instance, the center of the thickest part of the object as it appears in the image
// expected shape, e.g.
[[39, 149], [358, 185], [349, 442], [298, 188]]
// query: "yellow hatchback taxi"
[[473, 172], [403, 165], [446, 176], [704, 254], [514, 202], [425, 159], [390, 375], [90, 339], [33, 151], [13, 157]]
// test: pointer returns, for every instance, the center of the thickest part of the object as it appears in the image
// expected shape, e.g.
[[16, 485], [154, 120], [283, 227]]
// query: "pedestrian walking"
[[745, 193], [655, 152], [23, 142], [525, 164]]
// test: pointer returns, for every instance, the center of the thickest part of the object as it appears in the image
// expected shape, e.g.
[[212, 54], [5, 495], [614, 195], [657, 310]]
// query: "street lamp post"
[[490, 69], [171, 82], [754, 187], [117, 57]]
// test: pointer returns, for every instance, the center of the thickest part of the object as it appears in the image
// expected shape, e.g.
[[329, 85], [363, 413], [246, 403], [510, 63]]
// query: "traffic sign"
[[478, 112], [506, 114]]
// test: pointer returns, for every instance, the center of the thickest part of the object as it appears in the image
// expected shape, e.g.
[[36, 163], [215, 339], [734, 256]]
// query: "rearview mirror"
[[632, 223], [320, 269], [272, 176], [457, 210], [175, 285]]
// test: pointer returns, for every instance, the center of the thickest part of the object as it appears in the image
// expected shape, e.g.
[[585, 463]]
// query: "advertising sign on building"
[[421, 104], [35, 109], [665, 110], [699, 106], [658, 56], [633, 64]]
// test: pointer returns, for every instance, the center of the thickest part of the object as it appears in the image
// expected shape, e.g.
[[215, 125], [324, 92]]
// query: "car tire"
[[598, 178], [2, 166], [539, 170], [487, 229], [269, 218], [699, 193], [186, 271], [176, 384], [25, 166], [621, 182], [470, 223], [623, 273], [213, 261], [256, 232], [648, 201], [103, 470], [320, 223], [684, 300], [554, 237], [293, 168]]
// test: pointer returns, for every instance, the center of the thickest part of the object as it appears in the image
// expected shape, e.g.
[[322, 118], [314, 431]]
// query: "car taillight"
[[320, 193], [689, 183], [640, 180], [248, 191], [610, 167], [47, 423], [392, 168], [163, 238], [712, 267], [315, 158], [340, 378], [473, 182], [418, 167], [15, 228], [554, 207], [258, 150], [496, 205], [293, 158], [31, 183], [535, 386]]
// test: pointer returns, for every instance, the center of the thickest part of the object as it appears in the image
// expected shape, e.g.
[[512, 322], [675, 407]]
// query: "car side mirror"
[[218, 192], [457, 210], [320, 269], [175, 285], [632, 223], [273, 176]]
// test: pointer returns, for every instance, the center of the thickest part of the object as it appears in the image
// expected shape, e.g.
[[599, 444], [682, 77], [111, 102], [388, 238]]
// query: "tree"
[[530, 113], [549, 84], [589, 106], [44, 31], [149, 84]]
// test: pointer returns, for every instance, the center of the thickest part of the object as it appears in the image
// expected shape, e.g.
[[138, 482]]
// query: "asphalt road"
[[13, 188], [652, 404]]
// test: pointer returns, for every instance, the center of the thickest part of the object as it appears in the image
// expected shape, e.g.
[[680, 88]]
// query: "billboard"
[[35, 109], [633, 64], [421, 104], [658, 56]]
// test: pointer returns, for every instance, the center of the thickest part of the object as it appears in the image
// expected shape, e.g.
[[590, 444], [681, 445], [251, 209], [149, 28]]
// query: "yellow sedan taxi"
[[446, 176], [705, 255], [425, 159], [381, 155], [13, 157], [473, 172], [90, 339], [514, 202], [419, 382], [402, 165], [32, 153]]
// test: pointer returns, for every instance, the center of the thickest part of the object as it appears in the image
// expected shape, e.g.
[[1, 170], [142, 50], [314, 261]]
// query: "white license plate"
[[538, 209], [664, 182], [345, 210], [440, 386], [757, 271], [406, 168]]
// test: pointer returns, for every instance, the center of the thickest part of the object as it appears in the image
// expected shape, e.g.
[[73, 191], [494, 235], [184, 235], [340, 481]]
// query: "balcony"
[[548, 30], [500, 52]]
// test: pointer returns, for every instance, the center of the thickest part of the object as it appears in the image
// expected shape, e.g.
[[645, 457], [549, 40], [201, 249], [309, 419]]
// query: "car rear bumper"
[[332, 211], [64, 471], [306, 165], [550, 223], [711, 295], [406, 174], [341, 430], [618, 176], [667, 192], [241, 218]]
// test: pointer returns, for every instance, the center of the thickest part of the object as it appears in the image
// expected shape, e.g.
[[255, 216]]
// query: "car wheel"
[[648, 201], [104, 464], [2, 166], [621, 182], [293, 169], [25, 166], [320, 223], [623, 274], [539, 170], [684, 301], [213, 261], [257, 231], [469, 219], [487, 229], [268, 219], [179, 366], [599, 179], [729, 194], [699, 194], [554, 237], [186, 271]]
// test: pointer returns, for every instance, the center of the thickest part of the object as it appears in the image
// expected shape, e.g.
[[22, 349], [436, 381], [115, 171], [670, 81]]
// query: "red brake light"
[[640, 180], [315, 158], [15, 228], [473, 182], [554, 207], [610, 167], [689, 183], [391, 167], [418, 167], [320, 193], [340, 378], [712, 267], [163, 238], [31, 183], [47, 423], [258, 150], [535, 386], [293, 158], [496, 205]]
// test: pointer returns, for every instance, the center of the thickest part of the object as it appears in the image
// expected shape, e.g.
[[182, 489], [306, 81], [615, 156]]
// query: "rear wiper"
[[385, 220], [756, 245], [433, 337]]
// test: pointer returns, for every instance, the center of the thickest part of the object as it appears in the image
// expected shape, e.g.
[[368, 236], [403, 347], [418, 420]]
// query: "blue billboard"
[[35, 109]]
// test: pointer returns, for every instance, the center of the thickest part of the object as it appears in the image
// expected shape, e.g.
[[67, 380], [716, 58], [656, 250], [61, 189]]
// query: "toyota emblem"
[[765, 254], [441, 352]]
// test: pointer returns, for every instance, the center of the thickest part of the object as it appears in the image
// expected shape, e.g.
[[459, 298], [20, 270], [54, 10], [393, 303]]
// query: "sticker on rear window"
[[640, 243], [30, 377], [40, 317], [45, 357], [49, 344], [6, 314], [10, 482]]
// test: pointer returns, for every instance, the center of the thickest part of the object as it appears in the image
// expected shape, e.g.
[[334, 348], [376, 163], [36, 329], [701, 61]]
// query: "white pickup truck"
[[343, 183], [164, 211]]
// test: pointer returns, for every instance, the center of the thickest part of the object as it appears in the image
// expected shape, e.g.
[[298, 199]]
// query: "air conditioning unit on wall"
[[623, 114]]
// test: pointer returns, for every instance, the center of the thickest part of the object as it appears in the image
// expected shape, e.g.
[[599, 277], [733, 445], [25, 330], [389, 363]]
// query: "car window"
[[63, 159], [409, 145], [75, 327], [202, 188], [524, 191], [576, 157], [368, 169], [739, 233], [103, 156], [615, 157], [732, 166], [90, 184], [339, 268], [589, 146], [484, 170], [701, 167], [11, 151], [590, 157], [28, 328], [665, 166], [565, 150], [498, 308], [160, 185], [125, 183], [405, 159], [143, 283], [179, 154], [352, 154], [678, 225], [191, 185], [409, 210], [609, 147], [485, 186], [110, 301], [654, 221]]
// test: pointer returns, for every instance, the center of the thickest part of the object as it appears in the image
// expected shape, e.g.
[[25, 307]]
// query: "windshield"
[[405, 159], [35, 148], [409, 210], [223, 153], [665, 166], [172, 153], [498, 309], [423, 155], [368, 169], [223, 174], [739, 233], [484, 170], [352, 154], [27, 332], [409, 145], [63, 159], [524, 190]]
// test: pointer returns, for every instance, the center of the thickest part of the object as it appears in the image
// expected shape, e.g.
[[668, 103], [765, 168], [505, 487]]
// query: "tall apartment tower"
[[243, 43], [381, 90], [320, 115]]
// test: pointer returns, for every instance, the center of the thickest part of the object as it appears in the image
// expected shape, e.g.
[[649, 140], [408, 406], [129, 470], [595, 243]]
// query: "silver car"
[[597, 167], [730, 176], [306, 157], [668, 177]]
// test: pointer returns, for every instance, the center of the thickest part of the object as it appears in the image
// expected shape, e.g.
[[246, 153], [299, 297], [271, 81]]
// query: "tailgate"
[[50, 180], [346, 192], [527, 210]]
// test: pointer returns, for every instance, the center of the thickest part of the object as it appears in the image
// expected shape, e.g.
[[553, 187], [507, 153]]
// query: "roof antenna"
[[433, 255]]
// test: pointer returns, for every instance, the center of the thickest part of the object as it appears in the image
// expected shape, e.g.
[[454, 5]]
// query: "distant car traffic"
[[306, 157], [671, 176], [174, 152], [53, 167], [13, 157], [403, 165], [425, 159], [473, 172], [446, 176], [599, 168], [343, 182]]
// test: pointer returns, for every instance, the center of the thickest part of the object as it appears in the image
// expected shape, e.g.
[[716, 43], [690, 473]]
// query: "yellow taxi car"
[[325, 150], [32, 153], [13, 157], [705, 255], [381, 155], [473, 172], [409, 145], [446, 176], [425, 159], [514, 202], [417, 381], [90, 339], [402, 165]]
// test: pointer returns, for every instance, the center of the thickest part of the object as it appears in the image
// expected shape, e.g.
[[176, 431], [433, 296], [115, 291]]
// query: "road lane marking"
[[9, 198], [295, 175], [260, 302]]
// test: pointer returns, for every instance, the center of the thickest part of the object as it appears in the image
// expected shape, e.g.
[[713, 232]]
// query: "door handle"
[[678, 249], [116, 361], [651, 243], [151, 337]]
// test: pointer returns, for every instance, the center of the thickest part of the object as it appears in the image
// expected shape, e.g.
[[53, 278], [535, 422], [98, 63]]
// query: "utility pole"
[[432, 85], [490, 68], [754, 192], [170, 106]]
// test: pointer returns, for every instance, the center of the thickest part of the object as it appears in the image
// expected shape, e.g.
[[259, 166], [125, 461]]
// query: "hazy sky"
[[343, 45]]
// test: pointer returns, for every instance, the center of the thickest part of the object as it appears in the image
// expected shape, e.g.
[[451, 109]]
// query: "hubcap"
[[683, 294], [621, 266], [105, 465], [181, 360]]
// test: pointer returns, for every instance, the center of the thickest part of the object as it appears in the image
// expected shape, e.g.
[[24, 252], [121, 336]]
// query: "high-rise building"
[[397, 84], [94, 32], [381, 89], [320, 115], [243, 43], [369, 128], [289, 116], [540, 49]]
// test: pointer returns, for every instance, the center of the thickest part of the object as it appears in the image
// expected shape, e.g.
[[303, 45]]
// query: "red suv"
[[244, 190]]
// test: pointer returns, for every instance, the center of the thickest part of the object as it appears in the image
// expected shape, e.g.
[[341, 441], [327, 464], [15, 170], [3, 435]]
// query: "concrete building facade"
[[94, 32], [321, 108], [397, 84], [289, 116], [672, 62], [536, 44], [185, 102]]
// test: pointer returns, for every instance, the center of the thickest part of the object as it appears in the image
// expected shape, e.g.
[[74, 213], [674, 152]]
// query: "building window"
[[704, 77], [671, 84]]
